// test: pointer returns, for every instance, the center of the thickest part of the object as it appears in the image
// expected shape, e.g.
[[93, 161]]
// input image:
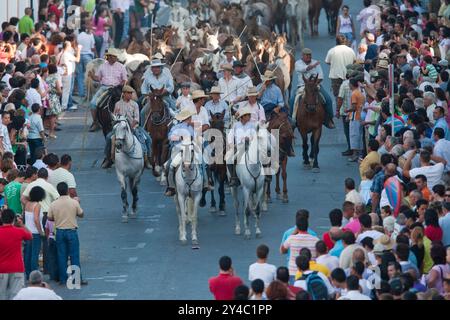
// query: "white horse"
[[252, 176], [297, 15], [189, 185], [129, 162]]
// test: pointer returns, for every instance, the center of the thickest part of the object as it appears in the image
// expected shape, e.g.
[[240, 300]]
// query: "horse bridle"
[[164, 116], [133, 146], [189, 185]]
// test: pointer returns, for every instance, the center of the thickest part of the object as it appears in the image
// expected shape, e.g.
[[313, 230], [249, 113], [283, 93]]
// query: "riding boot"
[[234, 181], [170, 191], [147, 163]]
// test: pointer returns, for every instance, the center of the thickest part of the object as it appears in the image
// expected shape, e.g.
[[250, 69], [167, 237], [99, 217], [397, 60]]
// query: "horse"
[[250, 171], [218, 168], [332, 11], [129, 163], [156, 123], [297, 14], [310, 117], [137, 77], [315, 6], [105, 107], [280, 122], [189, 185]]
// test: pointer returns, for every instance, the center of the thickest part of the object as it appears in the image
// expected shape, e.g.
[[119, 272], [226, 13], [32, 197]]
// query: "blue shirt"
[[398, 124], [181, 129], [378, 182], [441, 123], [165, 80], [444, 223], [272, 94], [337, 249], [288, 233]]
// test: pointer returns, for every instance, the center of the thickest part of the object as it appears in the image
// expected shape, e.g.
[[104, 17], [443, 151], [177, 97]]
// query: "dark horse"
[[156, 123], [105, 107], [310, 117], [280, 122], [218, 168], [331, 8], [136, 79], [207, 77]]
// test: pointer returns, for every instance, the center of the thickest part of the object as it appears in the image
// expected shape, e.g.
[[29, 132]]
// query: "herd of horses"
[[193, 55]]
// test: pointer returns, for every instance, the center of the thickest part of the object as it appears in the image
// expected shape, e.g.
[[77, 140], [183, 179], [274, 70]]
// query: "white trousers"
[[66, 84]]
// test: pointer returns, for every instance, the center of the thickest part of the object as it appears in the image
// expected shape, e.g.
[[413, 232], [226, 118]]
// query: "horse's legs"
[[277, 184], [237, 221], [247, 213], [203, 199], [213, 207], [154, 155], [134, 191], [257, 218], [182, 217], [123, 195], [193, 219], [311, 153], [305, 148], [317, 135], [222, 197]]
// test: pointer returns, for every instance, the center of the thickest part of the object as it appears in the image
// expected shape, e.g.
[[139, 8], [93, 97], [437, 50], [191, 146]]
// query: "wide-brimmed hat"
[[244, 111], [184, 114], [378, 249], [383, 63], [227, 67], [158, 55], [156, 63], [228, 49], [215, 89], [197, 94], [112, 52], [238, 63], [268, 75], [386, 241], [127, 88], [251, 92], [10, 106]]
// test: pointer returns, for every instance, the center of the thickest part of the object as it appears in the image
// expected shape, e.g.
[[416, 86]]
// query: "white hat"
[[215, 89], [251, 91], [197, 94], [156, 63], [268, 75], [244, 111], [184, 114]]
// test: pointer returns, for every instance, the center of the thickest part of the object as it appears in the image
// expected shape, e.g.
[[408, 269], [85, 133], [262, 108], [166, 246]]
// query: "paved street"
[[143, 259]]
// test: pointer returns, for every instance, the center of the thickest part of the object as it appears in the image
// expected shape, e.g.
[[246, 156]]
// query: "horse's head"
[[122, 131], [217, 120], [311, 95], [188, 154]]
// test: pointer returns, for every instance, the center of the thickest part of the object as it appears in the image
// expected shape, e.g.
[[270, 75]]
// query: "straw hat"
[[197, 94], [386, 241], [127, 88], [216, 90], [228, 49], [251, 92], [9, 107], [156, 63], [112, 52], [244, 111], [268, 75], [184, 114], [227, 67]]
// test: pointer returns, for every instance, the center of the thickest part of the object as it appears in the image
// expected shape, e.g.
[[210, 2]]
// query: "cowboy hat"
[[228, 49], [127, 88], [268, 75], [251, 92], [306, 51], [238, 63], [158, 55], [227, 67], [197, 94], [386, 241], [184, 114], [156, 63], [112, 52], [244, 111], [216, 90]]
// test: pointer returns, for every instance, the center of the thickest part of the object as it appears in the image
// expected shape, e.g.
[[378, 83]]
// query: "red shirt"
[[58, 13], [11, 260], [433, 233], [327, 239], [223, 286]]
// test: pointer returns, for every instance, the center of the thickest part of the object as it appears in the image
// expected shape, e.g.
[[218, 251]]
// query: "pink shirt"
[[112, 75], [100, 26], [354, 226]]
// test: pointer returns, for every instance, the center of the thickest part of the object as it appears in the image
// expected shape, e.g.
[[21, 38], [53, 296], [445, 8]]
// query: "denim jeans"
[[119, 20], [34, 144], [53, 260], [126, 25], [81, 70], [98, 44], [67, 245], [31, 254]]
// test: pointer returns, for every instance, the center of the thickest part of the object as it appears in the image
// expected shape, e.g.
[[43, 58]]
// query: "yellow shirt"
[[313, 266], [371, 158]]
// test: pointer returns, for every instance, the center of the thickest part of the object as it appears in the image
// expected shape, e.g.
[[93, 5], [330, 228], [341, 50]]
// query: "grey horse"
[[189, 185], [129, 162], [252, 176]]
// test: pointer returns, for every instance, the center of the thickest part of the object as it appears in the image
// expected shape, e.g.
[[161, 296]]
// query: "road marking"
[[103, 278], [106, 294], [117, 280], [323, 227], [161, 206], [132, 259], [150, 230], [140, 245]]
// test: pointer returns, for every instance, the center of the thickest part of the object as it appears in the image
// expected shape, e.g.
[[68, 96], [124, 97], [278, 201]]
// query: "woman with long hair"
[[101, 21], [54, 93]]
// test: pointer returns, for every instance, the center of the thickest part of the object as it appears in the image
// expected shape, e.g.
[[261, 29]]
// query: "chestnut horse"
[[332, 10], [310, 117], [156, 123]]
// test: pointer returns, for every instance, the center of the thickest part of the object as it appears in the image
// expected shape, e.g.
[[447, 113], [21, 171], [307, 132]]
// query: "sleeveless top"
[[346, 24], [29, 221]]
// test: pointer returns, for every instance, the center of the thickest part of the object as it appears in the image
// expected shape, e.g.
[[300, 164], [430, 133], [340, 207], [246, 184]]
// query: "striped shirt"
[[295, 243], [62, 175], [112, 75], [432, 73]]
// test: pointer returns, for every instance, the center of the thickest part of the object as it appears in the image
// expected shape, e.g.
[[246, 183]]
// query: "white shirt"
[[36, 293], [369, 233], [184, 102], [68, 59], [300, 68], [339, 57], [123, 5], [62, 175], [257, 115], [39, 164], [6, 78], [354, 197], [264, 271], [354, 295], [433, 174], [5, 135], [201, 118], [302, 283], [442, 149], [87, 42], [240, 131], [331, 262], [33, 97], [430, 110], [244, 83], [229, 89]]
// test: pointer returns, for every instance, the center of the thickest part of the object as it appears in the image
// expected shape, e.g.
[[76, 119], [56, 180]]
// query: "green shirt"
[[89, 6], [12, 195], [26, 25]]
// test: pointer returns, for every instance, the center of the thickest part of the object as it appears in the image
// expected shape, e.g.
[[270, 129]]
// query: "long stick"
[[242, 32], [176, 59], [254, 60], [151, 39]]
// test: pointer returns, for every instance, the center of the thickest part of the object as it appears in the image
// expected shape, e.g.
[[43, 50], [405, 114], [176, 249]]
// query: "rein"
[[132, 150], [189, 185]]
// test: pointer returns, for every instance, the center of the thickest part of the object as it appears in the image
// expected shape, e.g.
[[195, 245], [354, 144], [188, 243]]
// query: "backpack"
[[315, 286]]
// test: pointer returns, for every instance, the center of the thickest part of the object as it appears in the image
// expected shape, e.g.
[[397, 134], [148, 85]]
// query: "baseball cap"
[[306, 51]]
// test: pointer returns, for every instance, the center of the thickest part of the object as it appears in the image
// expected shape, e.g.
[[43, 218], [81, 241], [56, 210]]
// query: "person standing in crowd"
[[37, 289], [54, 98], [26, 24], [345, 25], [64, 212], [261, 269], [12, 234], [12, 191], [63, 174], [223, 285], [67, 60], [36, 134], [87, 53]]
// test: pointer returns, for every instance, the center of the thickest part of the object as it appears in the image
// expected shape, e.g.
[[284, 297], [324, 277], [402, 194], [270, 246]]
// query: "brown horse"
[[280, 122], [218, 170], [310, 117], [156, 123], [315, 6], [332, 10], [105, 108], [136, 79]]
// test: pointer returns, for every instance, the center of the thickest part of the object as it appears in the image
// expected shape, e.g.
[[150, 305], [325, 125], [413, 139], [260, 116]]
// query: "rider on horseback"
[[110, 74], [157, 79], [128, 108], [307, 67]]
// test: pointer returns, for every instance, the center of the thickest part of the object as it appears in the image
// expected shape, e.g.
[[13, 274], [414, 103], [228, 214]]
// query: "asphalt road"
[[143, 259]]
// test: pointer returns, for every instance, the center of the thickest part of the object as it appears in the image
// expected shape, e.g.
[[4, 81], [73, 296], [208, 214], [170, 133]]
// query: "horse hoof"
[[279, 196], [222, 213], [307, 166], [158, 178], [316, 170], [124, 219], [195, 242], [264, 207], [247, 236], [237, 231], [213, 209], [163, 182], [202, 203], [183, 242], [133, 215], [258, 234]]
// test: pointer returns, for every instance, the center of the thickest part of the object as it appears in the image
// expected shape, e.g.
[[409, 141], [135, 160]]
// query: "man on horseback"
[[257, 111], [215, 105], [110, 74], [158, 79], [307, 67], [128, 108], [245, 81], [242, 131]]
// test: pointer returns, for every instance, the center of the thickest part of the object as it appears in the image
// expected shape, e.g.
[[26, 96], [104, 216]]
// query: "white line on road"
[[117, 280], [106, 294], [140, 245], [132, 259], [149, 230]]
